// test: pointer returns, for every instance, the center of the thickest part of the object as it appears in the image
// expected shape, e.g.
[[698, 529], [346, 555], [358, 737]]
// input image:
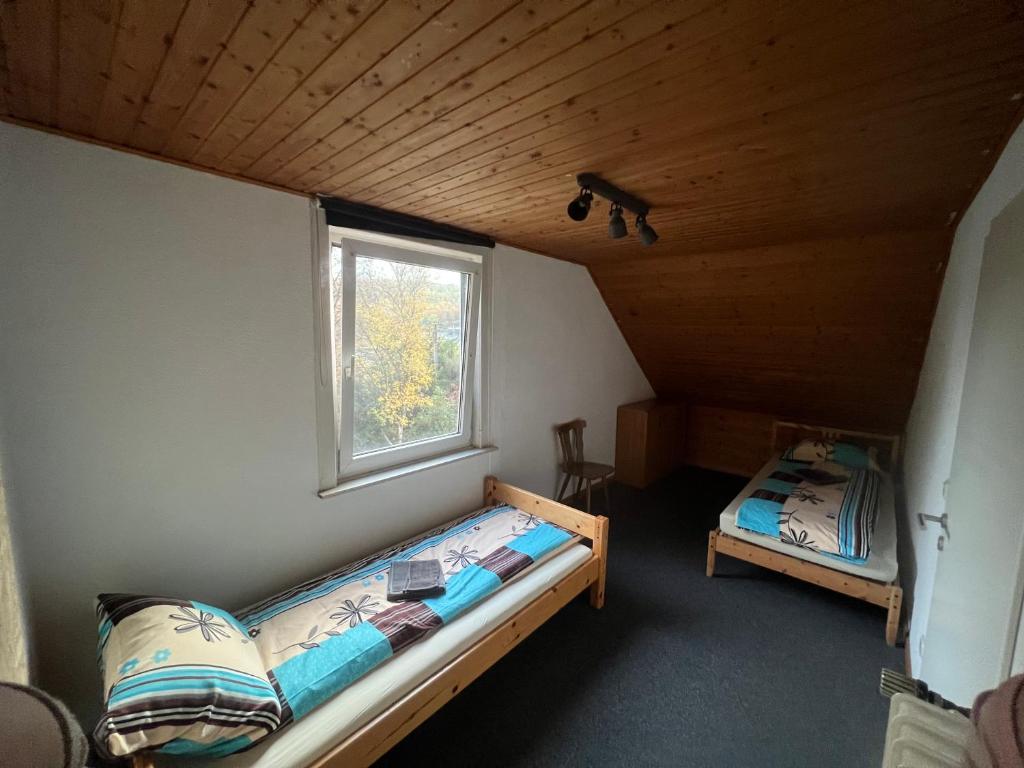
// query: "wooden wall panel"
[[830, 331], [532, 76], [355, 59], [31, 39], [145, 31], [452, 79], [259, 35], [5, 81], [307, 49], [201, 37], [743, 122], [746, 124], [87, 31], [728, 440]]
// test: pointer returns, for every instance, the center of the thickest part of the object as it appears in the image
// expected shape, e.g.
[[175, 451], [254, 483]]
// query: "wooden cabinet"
[[650, 441]]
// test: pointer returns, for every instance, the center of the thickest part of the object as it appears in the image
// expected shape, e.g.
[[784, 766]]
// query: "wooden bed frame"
[[370, 742], [888, 595]]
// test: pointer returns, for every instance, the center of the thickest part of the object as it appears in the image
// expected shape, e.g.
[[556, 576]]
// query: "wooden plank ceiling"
[[745, 123]]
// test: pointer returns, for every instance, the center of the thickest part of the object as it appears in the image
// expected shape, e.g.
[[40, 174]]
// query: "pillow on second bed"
[[180, 677], [847, 454]]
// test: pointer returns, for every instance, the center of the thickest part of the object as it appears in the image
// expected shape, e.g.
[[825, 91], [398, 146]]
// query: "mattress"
[[881, 564], [326, 726]]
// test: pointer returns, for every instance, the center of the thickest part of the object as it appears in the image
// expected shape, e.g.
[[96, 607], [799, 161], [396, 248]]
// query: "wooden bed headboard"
[[887, 447]]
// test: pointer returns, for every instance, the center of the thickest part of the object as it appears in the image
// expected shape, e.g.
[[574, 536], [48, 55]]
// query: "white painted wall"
[[566, 348], [157, 396], [931, 429]]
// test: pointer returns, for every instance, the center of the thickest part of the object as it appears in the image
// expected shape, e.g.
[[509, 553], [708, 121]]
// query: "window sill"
[[381, 476]]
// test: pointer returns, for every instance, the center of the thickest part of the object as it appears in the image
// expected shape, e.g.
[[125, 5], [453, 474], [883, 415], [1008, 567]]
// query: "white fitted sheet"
[[304, 740], [882, 564]]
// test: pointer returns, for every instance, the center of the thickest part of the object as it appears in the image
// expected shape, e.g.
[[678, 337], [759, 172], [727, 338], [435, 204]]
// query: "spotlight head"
[[616, 224], [580, 207], [647, 234]]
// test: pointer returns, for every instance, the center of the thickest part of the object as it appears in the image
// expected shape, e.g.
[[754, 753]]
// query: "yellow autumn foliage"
[[391, 332]]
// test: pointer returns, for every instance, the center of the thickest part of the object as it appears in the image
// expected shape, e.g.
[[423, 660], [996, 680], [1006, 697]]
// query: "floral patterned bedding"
[[321, 636], [822, 505]]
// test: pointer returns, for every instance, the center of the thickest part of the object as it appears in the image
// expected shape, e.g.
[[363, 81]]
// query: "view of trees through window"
[[409, 331]]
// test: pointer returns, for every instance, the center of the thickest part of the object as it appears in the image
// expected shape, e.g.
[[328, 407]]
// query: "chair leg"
[[589, 482], [607, 497], [579, 489], [565, 484]]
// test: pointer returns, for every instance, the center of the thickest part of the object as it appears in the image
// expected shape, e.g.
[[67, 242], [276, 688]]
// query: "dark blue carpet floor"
[[747, 669]]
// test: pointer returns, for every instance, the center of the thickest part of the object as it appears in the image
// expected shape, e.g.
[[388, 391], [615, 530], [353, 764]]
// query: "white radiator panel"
[[922, 735]]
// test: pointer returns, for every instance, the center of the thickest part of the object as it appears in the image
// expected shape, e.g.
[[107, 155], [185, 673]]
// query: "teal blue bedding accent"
[[309, 679], [329, 632], [760, 516], [285, 656], [179, 676], [822, 506], [370, 567], [850, 455], [184, 678], [541, 540], [778, 486], [465, 589]]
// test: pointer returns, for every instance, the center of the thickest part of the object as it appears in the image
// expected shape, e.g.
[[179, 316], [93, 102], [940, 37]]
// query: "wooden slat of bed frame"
[[552, 511], [888, 596], [874, 592]]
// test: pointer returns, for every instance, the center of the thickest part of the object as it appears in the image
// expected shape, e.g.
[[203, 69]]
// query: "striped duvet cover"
[[822, 506], [187, 678], [318, 638]]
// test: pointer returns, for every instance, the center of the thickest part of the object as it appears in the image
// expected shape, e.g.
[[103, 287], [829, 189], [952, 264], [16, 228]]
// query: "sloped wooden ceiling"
[[747, 124]]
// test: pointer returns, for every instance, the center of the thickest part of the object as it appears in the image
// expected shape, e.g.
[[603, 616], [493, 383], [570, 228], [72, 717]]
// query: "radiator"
[[922, 735]]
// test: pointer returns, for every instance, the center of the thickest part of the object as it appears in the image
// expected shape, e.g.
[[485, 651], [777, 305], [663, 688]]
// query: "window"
[[403, 318]]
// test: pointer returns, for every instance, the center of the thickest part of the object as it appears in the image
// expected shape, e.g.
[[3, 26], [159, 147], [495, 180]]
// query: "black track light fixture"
[[616, 224], [590, 184], [580, 206], [647, 234]]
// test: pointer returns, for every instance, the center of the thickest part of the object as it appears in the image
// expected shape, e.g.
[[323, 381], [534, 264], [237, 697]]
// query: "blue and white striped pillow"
[[181, 677]]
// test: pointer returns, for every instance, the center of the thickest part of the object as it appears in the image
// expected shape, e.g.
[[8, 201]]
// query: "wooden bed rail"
[[887, 446], [593, 527], [555, 512]]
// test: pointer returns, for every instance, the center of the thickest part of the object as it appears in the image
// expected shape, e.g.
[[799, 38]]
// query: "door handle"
[[942, 520]]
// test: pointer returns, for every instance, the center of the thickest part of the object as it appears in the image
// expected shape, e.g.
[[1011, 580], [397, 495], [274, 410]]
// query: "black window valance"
[[342, 213]]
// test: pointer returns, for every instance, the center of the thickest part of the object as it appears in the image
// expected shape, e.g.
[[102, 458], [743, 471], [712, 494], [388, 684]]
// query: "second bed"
[[874, 581]]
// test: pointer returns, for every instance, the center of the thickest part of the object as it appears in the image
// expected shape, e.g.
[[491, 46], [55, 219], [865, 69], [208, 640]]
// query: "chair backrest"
[[570, 441]]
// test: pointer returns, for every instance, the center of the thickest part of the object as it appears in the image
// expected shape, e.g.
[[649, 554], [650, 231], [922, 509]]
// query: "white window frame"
[[339, 468]]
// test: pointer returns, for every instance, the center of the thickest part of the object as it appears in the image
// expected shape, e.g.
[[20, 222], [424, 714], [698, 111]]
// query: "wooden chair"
[[573, 465]]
